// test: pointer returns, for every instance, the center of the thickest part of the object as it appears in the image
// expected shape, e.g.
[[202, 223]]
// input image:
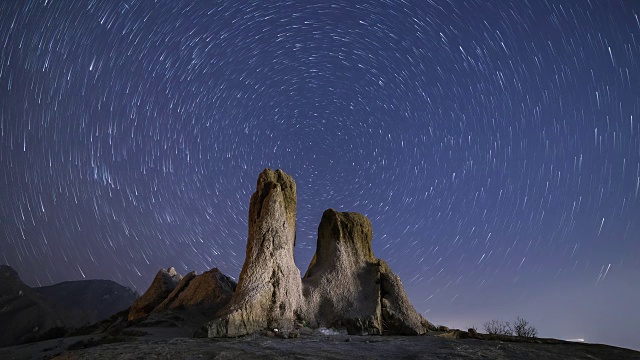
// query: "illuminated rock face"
[[345, 285], [208, 291], [162, 285], [269, 292]]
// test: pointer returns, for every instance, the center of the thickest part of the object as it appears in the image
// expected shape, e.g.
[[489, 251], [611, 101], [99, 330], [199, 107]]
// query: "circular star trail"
[[495, 145]]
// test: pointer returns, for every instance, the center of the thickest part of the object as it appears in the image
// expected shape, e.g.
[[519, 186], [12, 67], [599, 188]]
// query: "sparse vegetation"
[[520, 327], [497, 327]]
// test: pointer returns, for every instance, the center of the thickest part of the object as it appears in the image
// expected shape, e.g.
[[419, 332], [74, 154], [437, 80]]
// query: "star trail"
[[494, 145]]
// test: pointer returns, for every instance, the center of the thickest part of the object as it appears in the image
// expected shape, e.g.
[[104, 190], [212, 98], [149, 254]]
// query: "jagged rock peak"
[[177, 290], [209, 291], [172, 272], [163, 284], [269, 292]]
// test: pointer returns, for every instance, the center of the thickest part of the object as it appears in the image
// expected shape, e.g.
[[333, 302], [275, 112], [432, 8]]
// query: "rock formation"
[[341, 286], [346, 286], [399, 317], [208, 291], [175, 293], [269, 293], [162, 285]]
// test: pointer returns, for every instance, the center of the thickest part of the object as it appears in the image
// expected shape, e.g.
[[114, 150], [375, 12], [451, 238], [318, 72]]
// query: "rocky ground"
[[171, 343]]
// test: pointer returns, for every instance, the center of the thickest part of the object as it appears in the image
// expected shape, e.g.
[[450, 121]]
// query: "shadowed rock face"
[[399, 317], [347, 286], [162, 285], [269, 291]]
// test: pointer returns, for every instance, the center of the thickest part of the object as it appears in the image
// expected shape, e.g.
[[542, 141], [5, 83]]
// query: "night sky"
[[494, 145]]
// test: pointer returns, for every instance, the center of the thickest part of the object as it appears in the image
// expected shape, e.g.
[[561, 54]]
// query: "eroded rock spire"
[[269, 292]]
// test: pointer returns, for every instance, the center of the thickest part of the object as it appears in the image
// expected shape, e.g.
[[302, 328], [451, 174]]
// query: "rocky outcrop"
[[172, 298], [341, 286], [346, 286], [269, 293], [161, 287], [175, 293], [209, 291]]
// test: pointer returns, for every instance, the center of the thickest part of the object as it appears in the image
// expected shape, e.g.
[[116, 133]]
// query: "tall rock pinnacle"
[[269, 291]]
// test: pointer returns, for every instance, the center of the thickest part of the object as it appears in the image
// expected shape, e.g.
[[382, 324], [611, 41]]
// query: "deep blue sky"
[[495, 145]]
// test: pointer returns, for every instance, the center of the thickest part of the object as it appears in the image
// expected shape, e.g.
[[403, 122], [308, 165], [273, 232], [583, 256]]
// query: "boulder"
[[163, 284], [269, 294], [346, 286]]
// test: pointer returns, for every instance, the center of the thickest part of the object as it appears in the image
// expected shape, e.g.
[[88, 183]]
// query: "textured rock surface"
[[177, 291], [209, 291], [346, 286], [269, 293], [341, 286], [161, 287]]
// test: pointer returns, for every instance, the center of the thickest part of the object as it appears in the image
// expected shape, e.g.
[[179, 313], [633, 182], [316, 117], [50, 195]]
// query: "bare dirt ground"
[[170, 343]]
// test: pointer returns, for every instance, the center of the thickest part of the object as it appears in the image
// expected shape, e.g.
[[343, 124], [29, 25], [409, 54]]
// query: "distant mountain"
[[28, 314], [91, 300]]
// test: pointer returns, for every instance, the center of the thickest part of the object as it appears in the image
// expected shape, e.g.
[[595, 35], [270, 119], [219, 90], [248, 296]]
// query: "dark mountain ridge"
[[30, 313]]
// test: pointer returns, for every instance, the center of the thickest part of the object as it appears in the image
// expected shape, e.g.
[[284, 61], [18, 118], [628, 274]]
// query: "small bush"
[[521, 327], [498, 327]]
